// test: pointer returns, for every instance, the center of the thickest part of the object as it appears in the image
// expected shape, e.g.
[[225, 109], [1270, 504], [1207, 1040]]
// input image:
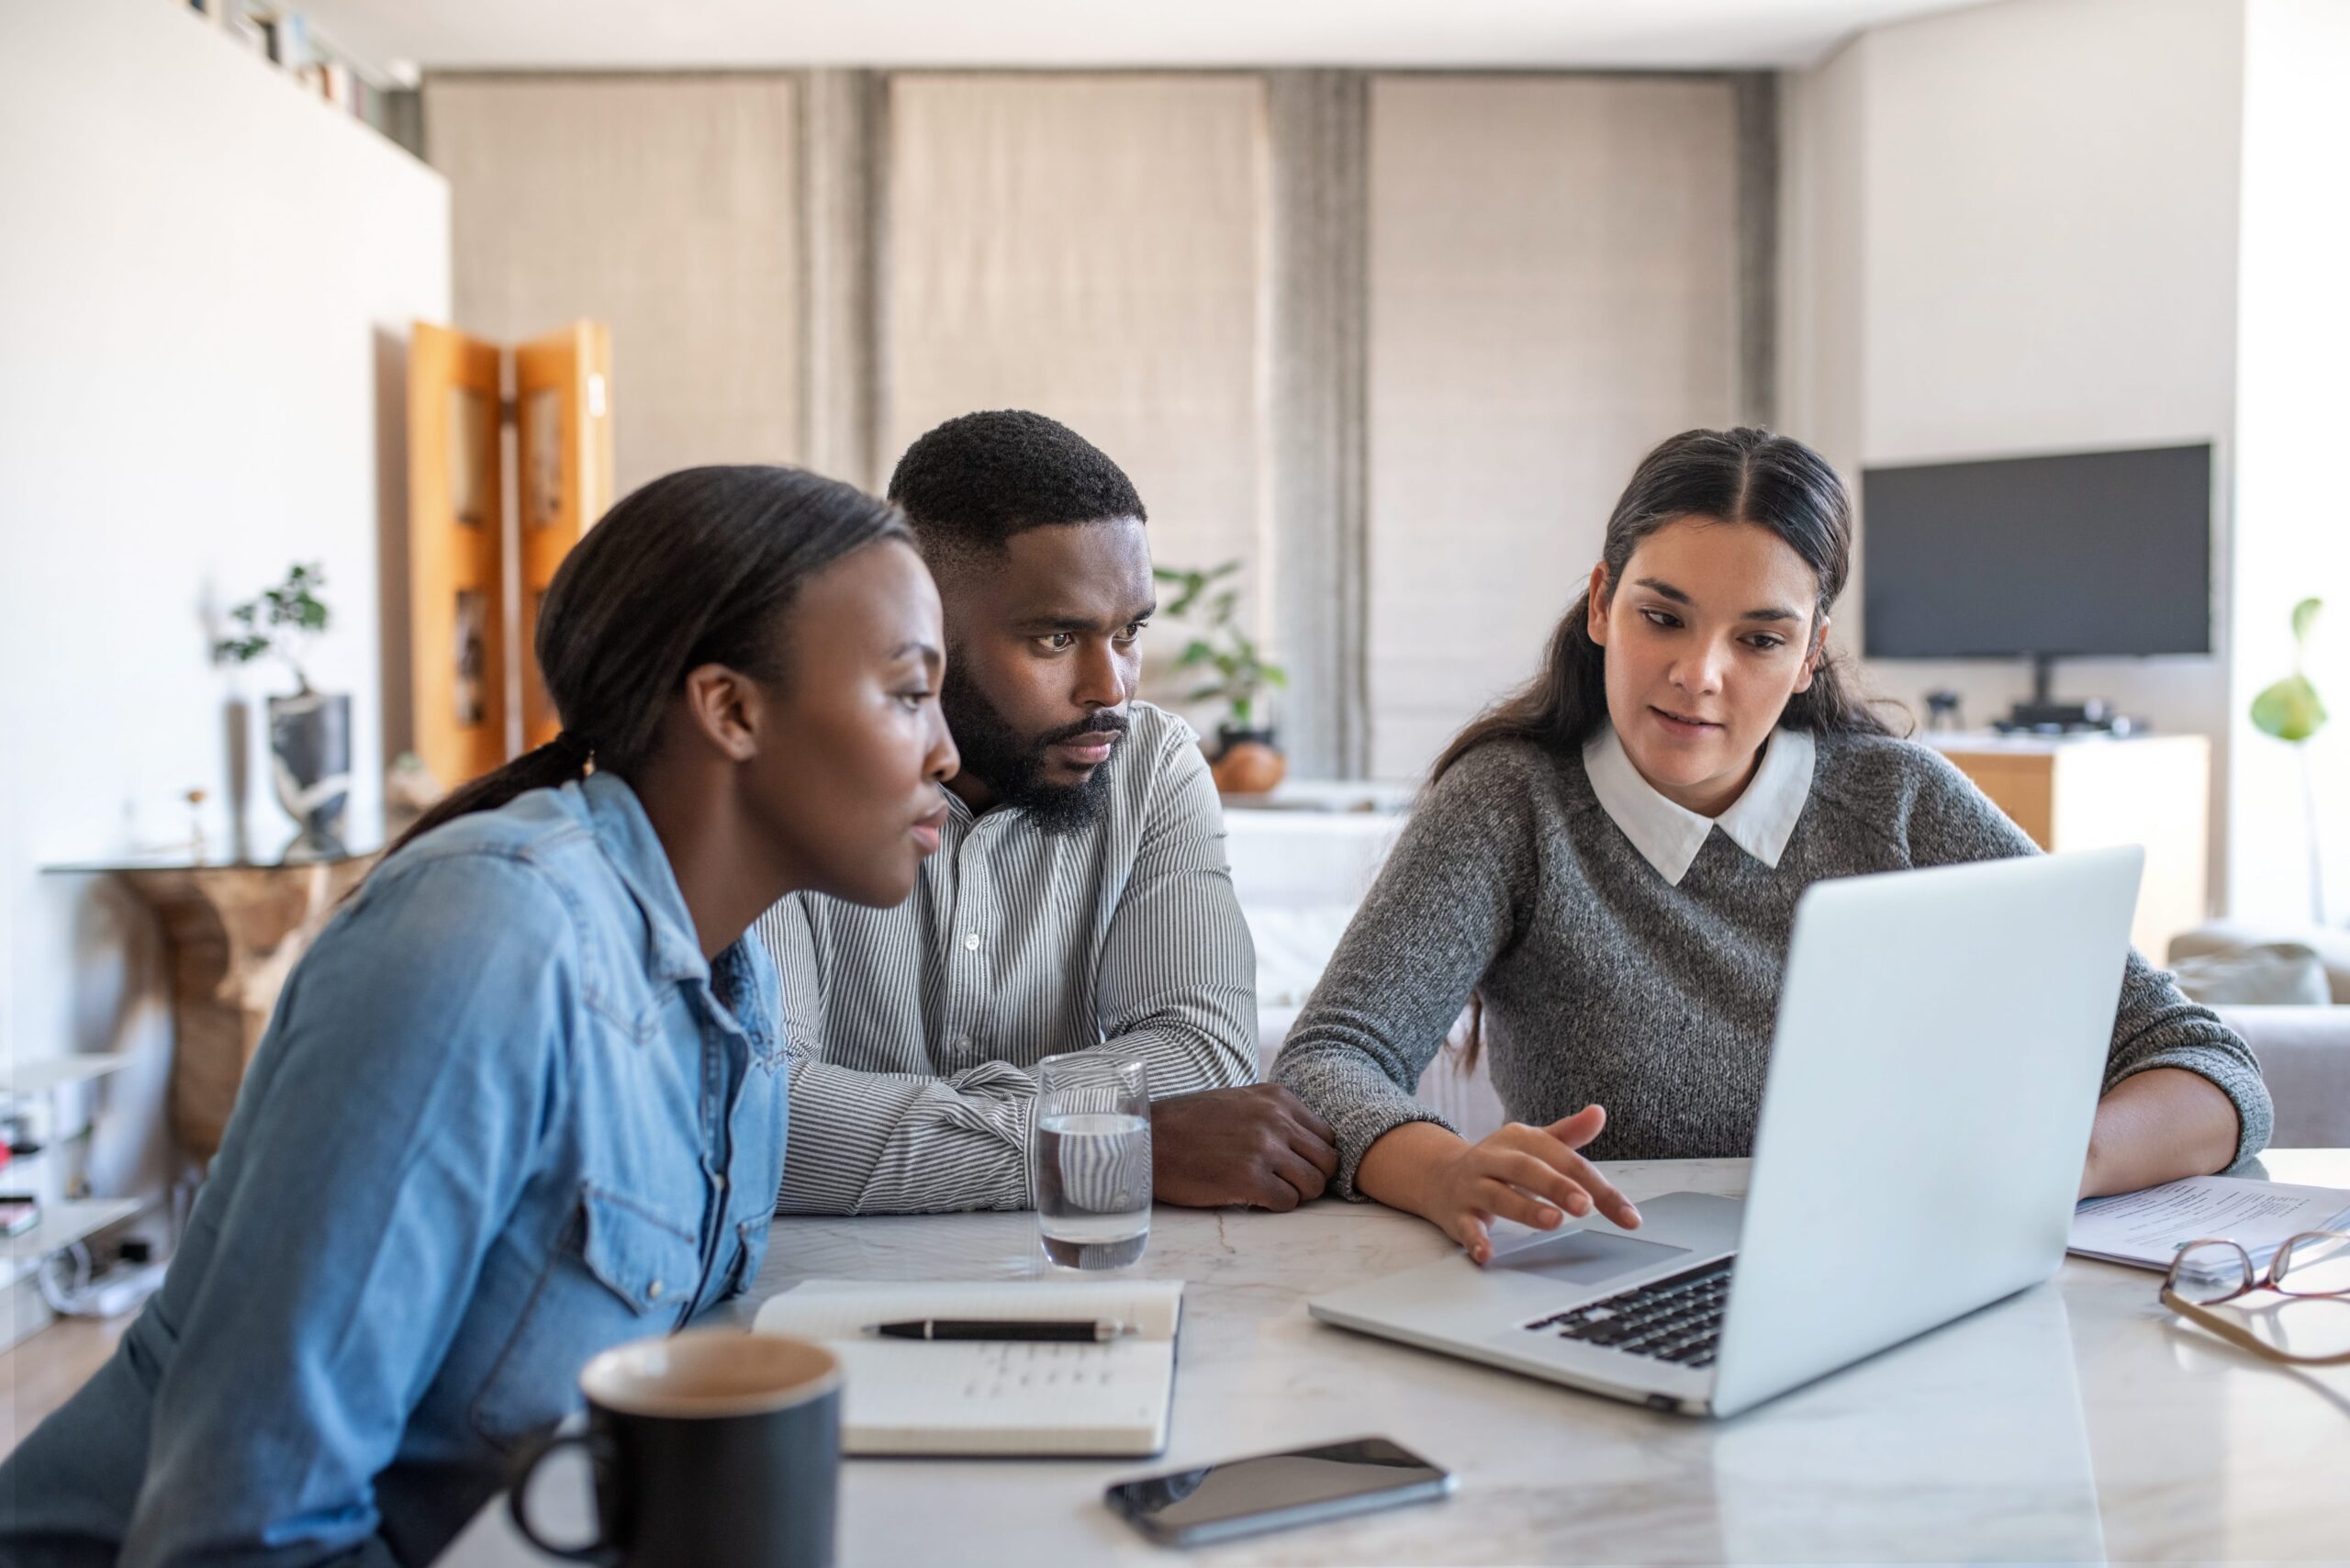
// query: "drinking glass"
[[1092, 1159]]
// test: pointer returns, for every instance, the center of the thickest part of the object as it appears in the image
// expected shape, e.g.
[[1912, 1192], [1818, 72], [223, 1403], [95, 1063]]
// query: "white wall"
[[2012, 229], [2292, 536], [204, 291]]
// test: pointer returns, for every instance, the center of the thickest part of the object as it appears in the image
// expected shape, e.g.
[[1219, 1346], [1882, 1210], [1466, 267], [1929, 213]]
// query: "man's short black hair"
[[972, 483]]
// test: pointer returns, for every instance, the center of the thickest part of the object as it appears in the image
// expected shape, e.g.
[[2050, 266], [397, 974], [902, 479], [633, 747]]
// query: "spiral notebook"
[[910, 1396]]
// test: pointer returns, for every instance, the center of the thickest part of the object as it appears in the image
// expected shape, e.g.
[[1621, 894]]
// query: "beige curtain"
[[1092, 248], [666, 206], [1553, 289]]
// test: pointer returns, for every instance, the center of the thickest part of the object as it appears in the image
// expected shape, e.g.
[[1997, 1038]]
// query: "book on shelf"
[[284, 37]]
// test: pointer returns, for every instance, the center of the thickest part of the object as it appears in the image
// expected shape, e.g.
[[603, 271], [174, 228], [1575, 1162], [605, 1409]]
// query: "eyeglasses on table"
[[2308, 1324]]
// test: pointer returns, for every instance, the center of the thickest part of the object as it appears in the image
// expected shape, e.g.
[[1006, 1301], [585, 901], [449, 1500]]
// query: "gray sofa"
[[2304, 1049]]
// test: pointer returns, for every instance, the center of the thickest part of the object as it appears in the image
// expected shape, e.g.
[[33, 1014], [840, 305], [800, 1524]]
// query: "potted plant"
[[1230, 668], [309, 731], [2289, 710]]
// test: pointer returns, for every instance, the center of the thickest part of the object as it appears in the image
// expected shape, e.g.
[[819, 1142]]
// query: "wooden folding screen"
[[466, 538], [456, 499], [566, 471]]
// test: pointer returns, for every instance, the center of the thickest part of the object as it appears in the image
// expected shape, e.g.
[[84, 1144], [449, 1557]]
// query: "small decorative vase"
[[309, 750], [1247, 761]]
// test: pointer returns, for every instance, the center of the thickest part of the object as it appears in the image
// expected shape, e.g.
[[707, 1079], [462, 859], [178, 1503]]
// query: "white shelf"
[[1310, 797], [39, 1077], [62, 1225]]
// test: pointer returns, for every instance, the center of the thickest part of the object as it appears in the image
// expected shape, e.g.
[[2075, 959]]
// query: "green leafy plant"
[[1230, 666], [2291, 710], [280, 620]]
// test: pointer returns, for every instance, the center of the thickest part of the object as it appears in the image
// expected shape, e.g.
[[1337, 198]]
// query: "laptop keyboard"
[[1676, 1319]]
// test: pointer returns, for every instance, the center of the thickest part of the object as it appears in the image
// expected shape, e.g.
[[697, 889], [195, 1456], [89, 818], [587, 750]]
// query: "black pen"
[[1084, 1332]]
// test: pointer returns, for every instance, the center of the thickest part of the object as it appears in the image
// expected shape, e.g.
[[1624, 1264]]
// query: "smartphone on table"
[[1272, 1491]]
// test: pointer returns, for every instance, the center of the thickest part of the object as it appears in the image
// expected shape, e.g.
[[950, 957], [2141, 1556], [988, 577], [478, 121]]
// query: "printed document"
[[2146, 1229]]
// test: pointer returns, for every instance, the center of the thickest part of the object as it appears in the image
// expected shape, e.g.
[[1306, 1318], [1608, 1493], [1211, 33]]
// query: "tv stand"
[[2043, 709]]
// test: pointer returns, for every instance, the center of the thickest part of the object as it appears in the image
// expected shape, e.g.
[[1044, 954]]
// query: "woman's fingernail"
[[1550, 1217]]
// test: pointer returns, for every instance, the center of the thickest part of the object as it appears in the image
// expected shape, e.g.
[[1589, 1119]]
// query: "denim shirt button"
[[652, 1291]]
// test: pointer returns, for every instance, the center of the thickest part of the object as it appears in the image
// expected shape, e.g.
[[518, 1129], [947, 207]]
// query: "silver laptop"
[[1940, 1045]]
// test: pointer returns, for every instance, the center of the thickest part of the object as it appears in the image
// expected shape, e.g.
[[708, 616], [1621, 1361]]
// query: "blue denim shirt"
[[506, 1116]]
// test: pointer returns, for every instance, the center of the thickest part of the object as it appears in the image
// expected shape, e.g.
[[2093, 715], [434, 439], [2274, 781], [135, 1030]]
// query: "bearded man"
[[1079, 899]]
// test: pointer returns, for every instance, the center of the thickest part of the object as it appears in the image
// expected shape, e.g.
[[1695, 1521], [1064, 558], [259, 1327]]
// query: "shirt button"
[[971, 942], [652, 1291]]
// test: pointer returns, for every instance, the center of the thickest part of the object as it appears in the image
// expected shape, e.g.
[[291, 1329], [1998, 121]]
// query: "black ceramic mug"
[[711, 1448]]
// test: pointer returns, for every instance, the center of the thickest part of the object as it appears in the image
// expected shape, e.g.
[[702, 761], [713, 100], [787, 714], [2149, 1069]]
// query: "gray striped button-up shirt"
[[911, 1029]]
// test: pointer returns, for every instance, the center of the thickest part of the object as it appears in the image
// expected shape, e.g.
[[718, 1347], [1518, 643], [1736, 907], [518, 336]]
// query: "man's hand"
[[1256, 1145]]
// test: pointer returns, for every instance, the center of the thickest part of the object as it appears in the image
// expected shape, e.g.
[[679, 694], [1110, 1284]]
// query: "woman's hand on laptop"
[[1529, 1174]]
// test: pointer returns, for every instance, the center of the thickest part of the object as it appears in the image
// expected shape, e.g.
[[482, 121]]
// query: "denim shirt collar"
[[617, 818], [620, 825]]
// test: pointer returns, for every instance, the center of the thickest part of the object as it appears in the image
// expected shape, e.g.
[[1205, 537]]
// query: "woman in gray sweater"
[[1608, 864]]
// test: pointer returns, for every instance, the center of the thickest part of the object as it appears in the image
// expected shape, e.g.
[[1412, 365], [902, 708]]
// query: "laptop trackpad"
[[1586, 1257]]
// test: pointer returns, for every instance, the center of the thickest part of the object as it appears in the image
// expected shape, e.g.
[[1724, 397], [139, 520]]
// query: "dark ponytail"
[[696, 567], [1735, 475]]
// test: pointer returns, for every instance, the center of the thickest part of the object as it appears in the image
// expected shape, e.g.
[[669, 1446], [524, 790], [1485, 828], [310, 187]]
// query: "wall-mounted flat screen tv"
[[2085, 553]]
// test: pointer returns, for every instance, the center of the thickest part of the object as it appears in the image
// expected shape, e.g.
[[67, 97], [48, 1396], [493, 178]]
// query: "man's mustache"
[[1102, 723]]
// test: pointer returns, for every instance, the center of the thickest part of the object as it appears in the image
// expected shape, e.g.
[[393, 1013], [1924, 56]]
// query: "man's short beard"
[[1012, 765]]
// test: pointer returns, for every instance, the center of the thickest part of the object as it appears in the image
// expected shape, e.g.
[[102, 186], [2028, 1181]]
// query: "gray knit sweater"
[[1603, 983]]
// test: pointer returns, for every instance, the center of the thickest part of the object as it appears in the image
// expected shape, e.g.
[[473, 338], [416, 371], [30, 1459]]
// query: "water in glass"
[[1092, 1161]]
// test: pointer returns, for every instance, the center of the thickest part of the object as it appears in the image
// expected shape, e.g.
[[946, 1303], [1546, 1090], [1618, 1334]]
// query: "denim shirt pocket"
[[640, 1257], [623, 1272], [750, 1250]]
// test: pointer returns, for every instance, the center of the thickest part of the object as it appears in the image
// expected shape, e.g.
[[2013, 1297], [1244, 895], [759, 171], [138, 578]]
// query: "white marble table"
[[2075, 1422]]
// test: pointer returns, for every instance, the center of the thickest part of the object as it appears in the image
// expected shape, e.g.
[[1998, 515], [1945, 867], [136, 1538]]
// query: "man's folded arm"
[[904, 1143], [887, 1142]]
